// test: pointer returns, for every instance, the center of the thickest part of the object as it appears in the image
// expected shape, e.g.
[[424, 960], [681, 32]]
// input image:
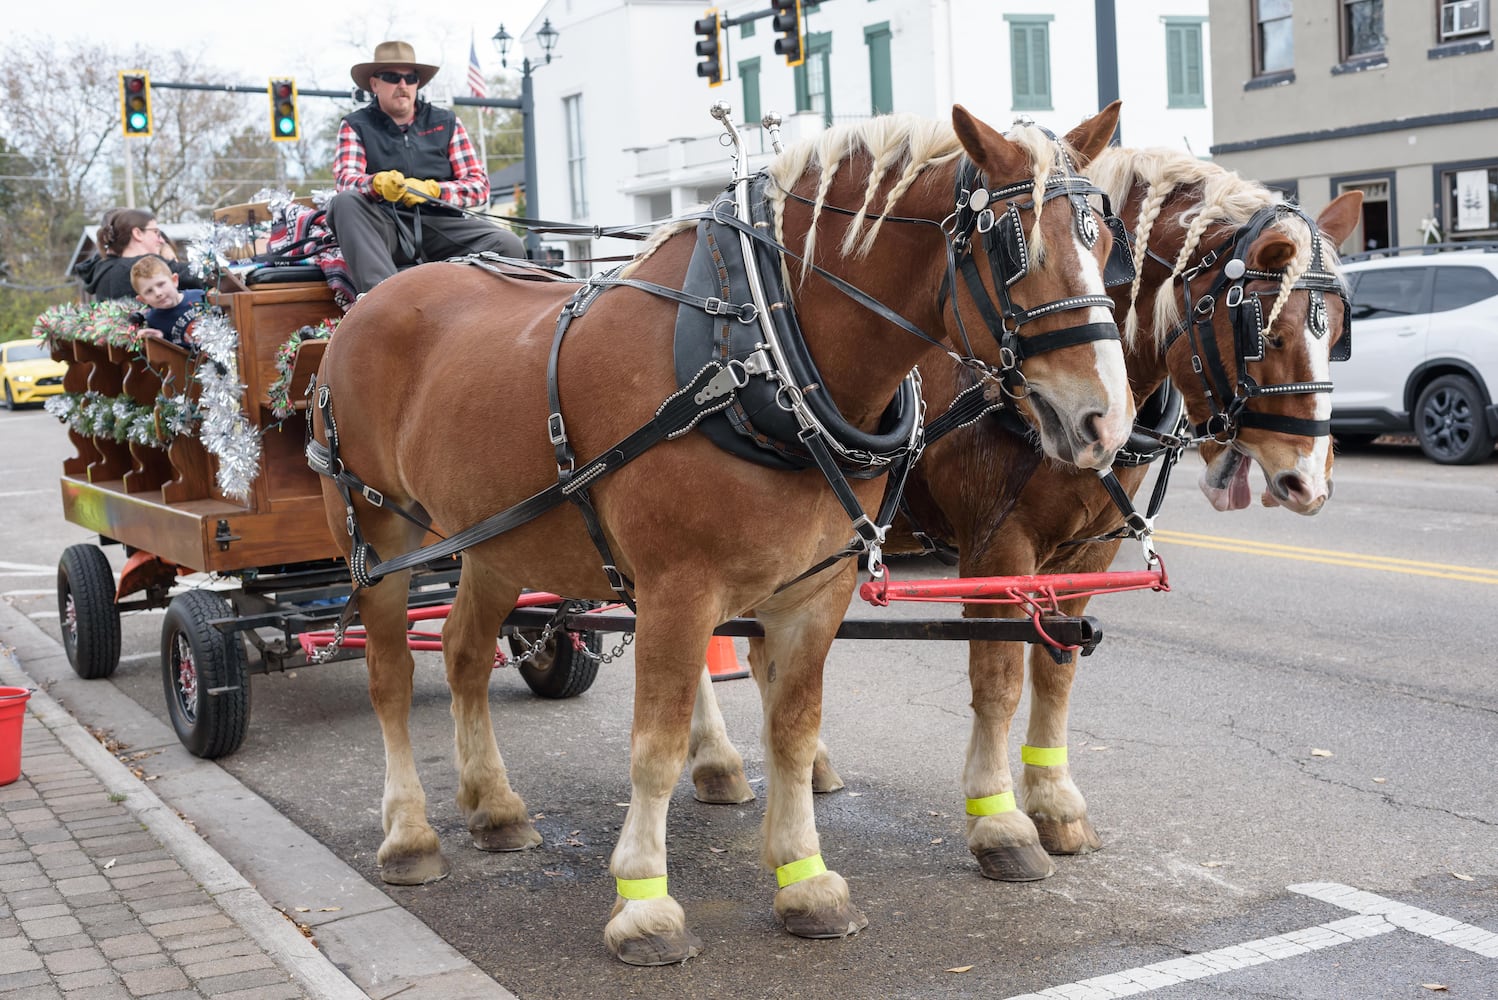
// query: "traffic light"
[[283, 118], [710, 47], [790, 25], [135, 103]]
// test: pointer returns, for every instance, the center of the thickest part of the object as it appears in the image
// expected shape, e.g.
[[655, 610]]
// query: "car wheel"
[[10, 401], [1449, 422]]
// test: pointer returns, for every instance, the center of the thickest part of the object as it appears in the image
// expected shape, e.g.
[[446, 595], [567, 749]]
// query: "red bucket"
[[12, 715]]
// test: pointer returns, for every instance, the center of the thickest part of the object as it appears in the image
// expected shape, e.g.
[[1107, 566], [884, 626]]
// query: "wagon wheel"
[[559, 669], [85, 605], [204, 674]]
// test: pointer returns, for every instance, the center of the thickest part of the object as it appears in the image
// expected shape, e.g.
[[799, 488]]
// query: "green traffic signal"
[[135, 103], [284, 126]]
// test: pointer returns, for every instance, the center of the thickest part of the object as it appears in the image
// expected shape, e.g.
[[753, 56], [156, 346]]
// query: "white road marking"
[[133, 657], [23, 493], [29, 593], [27, 568], [1375, 915], [43, 614]]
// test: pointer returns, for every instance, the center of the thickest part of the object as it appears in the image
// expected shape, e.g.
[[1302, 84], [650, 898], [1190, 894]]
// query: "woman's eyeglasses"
[[154, 229], [390, 76]]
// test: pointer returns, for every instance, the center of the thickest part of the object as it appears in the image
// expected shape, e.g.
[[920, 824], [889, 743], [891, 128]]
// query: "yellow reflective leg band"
[[991, 805], [799, 871], [641, 888], [1043, 756]]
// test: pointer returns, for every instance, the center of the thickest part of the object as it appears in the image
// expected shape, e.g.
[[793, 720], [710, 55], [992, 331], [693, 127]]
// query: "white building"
[[623, 133]]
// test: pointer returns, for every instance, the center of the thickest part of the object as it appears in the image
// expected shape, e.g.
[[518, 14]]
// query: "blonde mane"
[[898, 145], [1225, 199]]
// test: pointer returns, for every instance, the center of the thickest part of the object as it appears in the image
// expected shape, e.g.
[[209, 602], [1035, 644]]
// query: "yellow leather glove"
[[430, 191], [389, 184]]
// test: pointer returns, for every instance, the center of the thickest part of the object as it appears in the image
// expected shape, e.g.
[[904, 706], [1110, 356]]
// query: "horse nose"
[[1099, 441], [1292, 489]]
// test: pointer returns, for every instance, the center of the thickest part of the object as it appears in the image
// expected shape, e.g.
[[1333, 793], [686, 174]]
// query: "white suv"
[[1424, 350]]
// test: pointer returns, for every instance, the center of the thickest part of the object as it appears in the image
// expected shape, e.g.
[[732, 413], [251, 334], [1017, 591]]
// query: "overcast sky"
[[315, 41]]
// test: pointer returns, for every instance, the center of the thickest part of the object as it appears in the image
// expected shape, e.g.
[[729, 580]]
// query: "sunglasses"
[[389, 76]]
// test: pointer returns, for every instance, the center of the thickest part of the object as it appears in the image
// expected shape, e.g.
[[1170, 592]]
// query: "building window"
[[1274, 36], [1183, 63], [1470, 196], [746, 30], [1463, 19], [749, 77], [1362, 29], [881, 76], [1030, 61], [572, 108], [813, 77]]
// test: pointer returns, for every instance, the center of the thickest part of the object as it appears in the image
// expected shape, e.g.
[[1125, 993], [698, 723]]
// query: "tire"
[[85, 606], [10, 400], [561, 670], [197, 658], [1450, 424]]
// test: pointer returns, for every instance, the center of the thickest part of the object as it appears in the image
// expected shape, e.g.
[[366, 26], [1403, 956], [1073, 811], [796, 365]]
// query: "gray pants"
[[373, 248]]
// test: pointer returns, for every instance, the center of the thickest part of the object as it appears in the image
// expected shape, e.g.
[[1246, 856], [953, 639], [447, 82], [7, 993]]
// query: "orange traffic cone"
[[722, 661]]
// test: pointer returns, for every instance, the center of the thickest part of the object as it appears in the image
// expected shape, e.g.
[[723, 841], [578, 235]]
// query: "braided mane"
[[901, 146], [1195, 195]]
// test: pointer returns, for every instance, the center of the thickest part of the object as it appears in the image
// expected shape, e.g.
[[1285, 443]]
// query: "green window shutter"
[[1184, 85], [881, 72], [1030, 54], [749, 77]]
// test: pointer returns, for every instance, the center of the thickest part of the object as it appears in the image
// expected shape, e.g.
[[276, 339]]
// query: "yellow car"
[[27, 372]]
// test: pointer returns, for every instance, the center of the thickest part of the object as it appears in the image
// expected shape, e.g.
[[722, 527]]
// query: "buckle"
[[374, 496], [556, 429]]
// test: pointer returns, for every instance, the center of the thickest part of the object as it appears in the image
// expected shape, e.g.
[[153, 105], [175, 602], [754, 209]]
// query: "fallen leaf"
[[1434, 987], [936, 840], [302, 909], [718, 850], [1099, 748], [1379, 781], [961, 968], [1212, 864], [110, 863], [1318, 752], [624, 804], [854, 795], [550, 874], [329, 909], [1464, 878]]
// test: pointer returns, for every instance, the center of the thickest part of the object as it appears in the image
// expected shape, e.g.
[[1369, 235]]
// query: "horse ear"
[[1092, 136], [1272, 252], [987, 148], [1340, 218]]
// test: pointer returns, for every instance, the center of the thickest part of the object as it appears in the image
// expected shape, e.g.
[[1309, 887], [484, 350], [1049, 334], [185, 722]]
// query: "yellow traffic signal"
[[284, 123], [135, 103], [709, 47], [790, 23]]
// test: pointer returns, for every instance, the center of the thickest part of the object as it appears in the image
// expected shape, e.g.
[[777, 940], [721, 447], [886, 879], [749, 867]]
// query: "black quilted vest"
[[417, 150]]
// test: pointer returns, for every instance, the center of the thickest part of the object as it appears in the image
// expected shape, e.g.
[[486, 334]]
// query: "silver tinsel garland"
[[225, 431]]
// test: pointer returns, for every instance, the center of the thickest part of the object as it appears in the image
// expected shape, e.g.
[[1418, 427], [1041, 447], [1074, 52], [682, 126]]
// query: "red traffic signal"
[[709, 47], [135, 103], [790, 24], [284, 123]]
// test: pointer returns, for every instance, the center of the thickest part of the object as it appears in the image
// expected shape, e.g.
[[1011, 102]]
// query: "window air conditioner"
[[1463, 17]]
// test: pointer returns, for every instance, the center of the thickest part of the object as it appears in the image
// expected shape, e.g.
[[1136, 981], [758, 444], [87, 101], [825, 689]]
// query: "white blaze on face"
[[1113, 430]]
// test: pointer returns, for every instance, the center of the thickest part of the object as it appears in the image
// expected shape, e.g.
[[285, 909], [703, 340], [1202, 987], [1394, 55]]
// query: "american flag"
[[476, 82]]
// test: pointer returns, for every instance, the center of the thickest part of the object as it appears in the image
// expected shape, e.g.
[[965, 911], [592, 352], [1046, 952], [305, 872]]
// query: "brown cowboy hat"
[[388, 54]]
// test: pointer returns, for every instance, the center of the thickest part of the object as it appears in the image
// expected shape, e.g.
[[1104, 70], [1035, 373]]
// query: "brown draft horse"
[[986, 491], [438, 379]]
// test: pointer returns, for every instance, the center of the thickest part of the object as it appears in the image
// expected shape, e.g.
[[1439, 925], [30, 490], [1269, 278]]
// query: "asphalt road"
[[1315, 703]]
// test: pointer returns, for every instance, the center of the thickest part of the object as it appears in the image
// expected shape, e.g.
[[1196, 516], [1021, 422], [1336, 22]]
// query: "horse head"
[[1027, 206], [1237, 297]]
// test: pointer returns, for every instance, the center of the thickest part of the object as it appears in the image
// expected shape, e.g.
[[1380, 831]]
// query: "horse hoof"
[[1074, 837], [659, 949], [414, 869], [844, 921], [823, 778], [722, 789], [1015, 863], [509, 837]]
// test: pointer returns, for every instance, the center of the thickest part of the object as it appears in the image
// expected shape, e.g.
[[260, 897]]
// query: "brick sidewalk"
[[95, 907]]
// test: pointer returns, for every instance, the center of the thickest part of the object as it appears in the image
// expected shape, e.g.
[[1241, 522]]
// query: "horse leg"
[[824, 778], [647, 926], [812, 900], [1051, 798], [497, 817], [1002, 838], [717, 767], [410, 853]]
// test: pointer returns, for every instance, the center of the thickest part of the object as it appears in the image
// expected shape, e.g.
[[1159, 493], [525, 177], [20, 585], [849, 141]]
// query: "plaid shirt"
[[468, 188]]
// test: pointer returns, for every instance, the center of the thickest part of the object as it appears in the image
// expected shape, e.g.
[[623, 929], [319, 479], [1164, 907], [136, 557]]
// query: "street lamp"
[[547, 36]]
